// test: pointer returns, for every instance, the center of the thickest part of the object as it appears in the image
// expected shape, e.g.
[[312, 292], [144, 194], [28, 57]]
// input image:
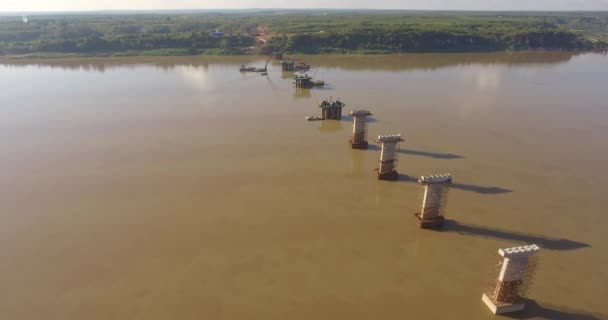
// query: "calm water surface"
[[179, 188]]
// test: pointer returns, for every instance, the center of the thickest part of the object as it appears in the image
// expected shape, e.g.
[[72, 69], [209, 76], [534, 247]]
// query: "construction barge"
[[306, 82], [330, 110], [292, 66], [244, 68]]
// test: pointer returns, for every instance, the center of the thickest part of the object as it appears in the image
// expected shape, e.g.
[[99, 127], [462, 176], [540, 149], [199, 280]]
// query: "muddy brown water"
[[179, 188]]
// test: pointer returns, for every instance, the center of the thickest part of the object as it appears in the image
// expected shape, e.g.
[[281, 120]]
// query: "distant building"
[[217, 33]]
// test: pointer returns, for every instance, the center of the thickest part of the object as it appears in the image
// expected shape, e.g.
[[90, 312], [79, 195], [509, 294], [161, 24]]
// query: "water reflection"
[[347, 62], [357, 163], [195, 77], [287, 75], [486, 82], [330, 126], [488, 78], [435, 61], [300, 93]]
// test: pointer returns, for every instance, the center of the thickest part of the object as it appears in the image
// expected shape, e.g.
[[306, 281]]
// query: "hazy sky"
[[69, 5]]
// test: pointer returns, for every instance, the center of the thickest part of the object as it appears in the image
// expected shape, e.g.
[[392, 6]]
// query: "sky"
[[86, 5]]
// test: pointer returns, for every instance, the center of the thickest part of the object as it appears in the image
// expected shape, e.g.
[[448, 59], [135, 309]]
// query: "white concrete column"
[[431, 200], [358, 124], [515, 265], [434, 191], [358, 140], [388, 156]]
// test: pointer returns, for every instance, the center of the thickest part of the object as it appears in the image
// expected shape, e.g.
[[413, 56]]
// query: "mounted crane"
[[254, 69]]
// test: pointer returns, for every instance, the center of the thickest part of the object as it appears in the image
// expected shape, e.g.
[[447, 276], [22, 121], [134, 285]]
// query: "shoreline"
[[154, 54]]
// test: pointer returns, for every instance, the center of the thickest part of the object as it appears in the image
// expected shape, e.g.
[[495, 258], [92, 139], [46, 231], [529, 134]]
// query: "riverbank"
[[310, 32], [184, 53], [167, 52]]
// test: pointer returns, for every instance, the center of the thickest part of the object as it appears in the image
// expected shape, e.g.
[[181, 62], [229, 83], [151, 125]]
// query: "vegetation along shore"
[[174, 33]]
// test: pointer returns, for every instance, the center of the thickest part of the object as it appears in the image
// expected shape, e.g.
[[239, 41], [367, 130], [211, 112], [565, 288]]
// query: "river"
[[179, 188]]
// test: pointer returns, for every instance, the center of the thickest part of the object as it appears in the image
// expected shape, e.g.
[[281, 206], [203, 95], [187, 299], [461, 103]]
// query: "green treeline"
[[306, 31], [91, 34], [441, 31], [427, 41], [195, 43]]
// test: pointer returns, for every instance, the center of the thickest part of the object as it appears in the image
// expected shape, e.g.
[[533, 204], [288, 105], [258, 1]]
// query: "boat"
[[243, 68], [318, 83], [264, 73], [301, 67], [247, 69], [314, 118]]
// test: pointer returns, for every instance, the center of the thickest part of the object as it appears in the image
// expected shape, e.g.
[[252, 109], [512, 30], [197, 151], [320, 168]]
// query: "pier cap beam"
[[356, 113], [436, 179], [389, 138], [522, 252]]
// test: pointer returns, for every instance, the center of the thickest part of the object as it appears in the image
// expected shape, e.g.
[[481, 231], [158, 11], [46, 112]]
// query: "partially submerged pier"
[[331, 110], [434, 197], [306, 82], [517, 267], [303, 81], [388, 157], [358, 140], [292, 66]]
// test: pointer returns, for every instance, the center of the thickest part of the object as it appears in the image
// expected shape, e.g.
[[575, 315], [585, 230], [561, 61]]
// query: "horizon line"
[[92, 11]]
